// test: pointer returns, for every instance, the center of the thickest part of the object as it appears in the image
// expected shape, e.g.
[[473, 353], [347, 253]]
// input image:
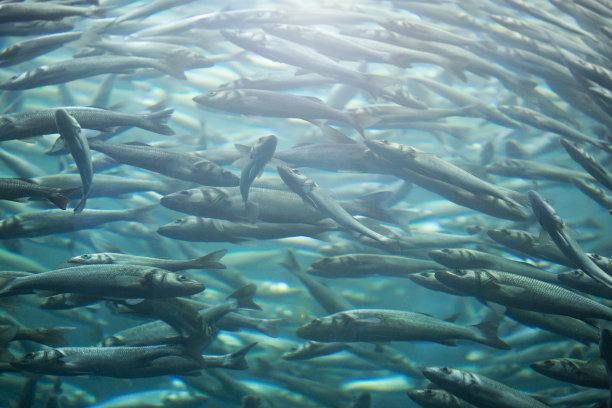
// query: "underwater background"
[[429, 121]]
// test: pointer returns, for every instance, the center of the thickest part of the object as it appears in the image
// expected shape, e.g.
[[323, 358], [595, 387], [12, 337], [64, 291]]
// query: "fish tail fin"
[[489, 331], [607, 146], [59, 200], [401, 60], [263, 367], [269, 327], [209, 261], [376, 83], [97, 12], [362, 122], [81, 205], [290, 262], [252, 211], [156, 122], [244, 297], [171, 67], [54, 336], [7, 333], [141, 214], [236, 360]]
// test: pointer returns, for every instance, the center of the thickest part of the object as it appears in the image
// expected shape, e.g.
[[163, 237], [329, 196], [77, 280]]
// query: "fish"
[[589, 163], [523, 293], [119, 362], [276, 49], [47, 222], [211, 230], [478, 389], [29, 49], [49, 336], [14, 12], [587, 374], [311, 193], [552, 223], [208, 261], [432, 166], [42, 121], [379, 325], [278, 104], [183, 166], [257, 156], [312, 349], [113, 281], [461, 258], [331, 301], [364, 265], [16, 188], [70, 131]]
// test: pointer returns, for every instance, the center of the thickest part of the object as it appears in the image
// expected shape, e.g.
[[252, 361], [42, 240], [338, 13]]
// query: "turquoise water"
[[461, 45]]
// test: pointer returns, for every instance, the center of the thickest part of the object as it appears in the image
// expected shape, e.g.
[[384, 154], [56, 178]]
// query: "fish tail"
[[59, 200], [401, 60], [171, 67], [7, 333], [140, 214], [81, 205], [209, 261], [489, 331], [362, 122], [97, 12], [290, 262], [156, 122], [244, 297], [54, 336], [376, 83], [236, 360], [269, 327]]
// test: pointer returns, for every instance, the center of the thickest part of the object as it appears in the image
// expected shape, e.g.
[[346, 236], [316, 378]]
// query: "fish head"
[[174, 228], [37, 360], [211, 174], [168, 284], [574, 276], [112, 340], [546, 366], [281, 30], [328, 263], [203, 199], [264, 147], [89, 259], [295, 180], [54, 302], [450, 378], [243, 38], [443, 255], [218, 99], [65, 120], [430, 397], [318, 330], [544, 212], [458, 279]]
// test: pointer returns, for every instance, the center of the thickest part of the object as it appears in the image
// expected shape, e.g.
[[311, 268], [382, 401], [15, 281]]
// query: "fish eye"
[[182, 278], [184, 192], [29, 356], [86, 256], [445, 370], [212, 93]]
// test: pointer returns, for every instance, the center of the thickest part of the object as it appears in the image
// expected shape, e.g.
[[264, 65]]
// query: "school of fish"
[[306, 203]]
